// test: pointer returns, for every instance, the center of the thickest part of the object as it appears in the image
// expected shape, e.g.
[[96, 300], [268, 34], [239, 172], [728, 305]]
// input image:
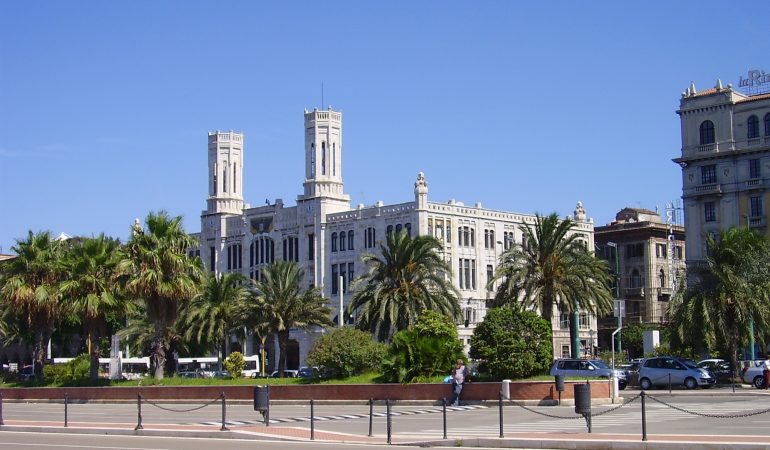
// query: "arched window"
[[350, 240], [334, 158], [323, 158], [235, 173], [389, 230], [224, 179], [343, 236], [408, 227], [767, 124], [398, 228], [334, 242], [752, 127], [706, 132], [662, 278]]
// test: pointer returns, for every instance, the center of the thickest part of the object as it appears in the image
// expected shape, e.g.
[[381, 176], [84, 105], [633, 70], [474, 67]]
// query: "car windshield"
[[689, 363], [600, 364]]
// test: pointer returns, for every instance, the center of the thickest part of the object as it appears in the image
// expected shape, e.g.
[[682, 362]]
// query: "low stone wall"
[[532, 390]]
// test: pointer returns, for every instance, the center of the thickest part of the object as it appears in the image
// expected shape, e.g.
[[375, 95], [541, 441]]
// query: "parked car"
[[192, 374], [665, 370], [307, 372], [632, 373], [587, 368], [287, 373], [719, 369], [751, 372]]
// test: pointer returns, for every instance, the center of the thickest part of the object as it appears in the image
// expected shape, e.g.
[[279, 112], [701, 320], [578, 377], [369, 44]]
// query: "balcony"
[[757, 222], [708, 189], [707, 148], [634, 292], [754, 183]]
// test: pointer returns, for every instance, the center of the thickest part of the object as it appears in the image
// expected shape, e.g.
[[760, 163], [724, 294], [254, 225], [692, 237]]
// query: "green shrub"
[[429, 349], [512, 343], [344, 352], [76, 369], [234, 364]]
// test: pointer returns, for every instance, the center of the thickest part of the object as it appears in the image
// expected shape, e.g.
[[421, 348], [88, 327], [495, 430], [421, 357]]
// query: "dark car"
[[307, 372], [719, 369]]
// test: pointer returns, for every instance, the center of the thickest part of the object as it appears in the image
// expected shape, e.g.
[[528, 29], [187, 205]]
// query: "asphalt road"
[[684, 412]]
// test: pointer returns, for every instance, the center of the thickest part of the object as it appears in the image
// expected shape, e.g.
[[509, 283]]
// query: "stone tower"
[[225, 172], [323, 155]]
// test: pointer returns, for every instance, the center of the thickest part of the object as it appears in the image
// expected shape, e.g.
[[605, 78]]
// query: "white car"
[[751, 372]]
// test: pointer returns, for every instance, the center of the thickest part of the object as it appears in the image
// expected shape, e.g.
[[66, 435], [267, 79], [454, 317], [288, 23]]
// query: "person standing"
[[766, 374], [460, 376]]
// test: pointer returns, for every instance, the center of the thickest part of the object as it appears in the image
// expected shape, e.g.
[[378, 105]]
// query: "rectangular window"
[[473, 274], [467, 274], [460, 273], [296, 248], [212, 259], [285, 250], [335, 279], [229, 258], [343, 277], [490, 275], [661, 251], [634, 250], [709, 211], [754, 169], [351, 273], [755, 204], [310, 246], [708, 174]]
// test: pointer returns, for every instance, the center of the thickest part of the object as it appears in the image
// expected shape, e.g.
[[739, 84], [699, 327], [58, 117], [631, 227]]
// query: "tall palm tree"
[[155, 267], [730, 291], [212, 314], [552, 267], [283, 305], [90, 288], [29, 286], [410, 277]]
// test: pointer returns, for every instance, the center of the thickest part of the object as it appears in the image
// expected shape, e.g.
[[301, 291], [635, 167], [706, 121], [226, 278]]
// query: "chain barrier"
[[713, 416], [607, 411], [554, 416], [183, 410]]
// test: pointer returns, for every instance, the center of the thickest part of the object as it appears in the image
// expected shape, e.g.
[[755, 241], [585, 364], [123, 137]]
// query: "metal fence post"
[[224, 412], [500, 403], [312, 421], [644, 417], [138, 413], [388, 422], [371, 415], [1, 409], [443, 410], [66, 401]]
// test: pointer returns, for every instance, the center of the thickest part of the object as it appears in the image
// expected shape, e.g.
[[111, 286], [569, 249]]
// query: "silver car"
[[587, 368], [670, 370]]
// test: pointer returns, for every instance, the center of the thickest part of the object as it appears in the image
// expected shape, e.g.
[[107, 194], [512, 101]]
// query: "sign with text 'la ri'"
[[756, 81]]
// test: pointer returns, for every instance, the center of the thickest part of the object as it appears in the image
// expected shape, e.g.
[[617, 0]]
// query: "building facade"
[[725, 161], [326, 235], [647, 257]]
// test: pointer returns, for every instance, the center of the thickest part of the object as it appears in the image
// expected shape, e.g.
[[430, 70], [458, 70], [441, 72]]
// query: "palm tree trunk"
[[283, 342], [93, 344], [574, 334], [158, 351], [38, 353]]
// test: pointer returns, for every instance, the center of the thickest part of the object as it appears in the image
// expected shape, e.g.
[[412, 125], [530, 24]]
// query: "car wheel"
[[758, 382], [690, 383], [645, 384], [622, 386]]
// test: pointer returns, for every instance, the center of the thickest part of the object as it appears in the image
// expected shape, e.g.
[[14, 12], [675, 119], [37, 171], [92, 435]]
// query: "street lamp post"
[[617, 296]]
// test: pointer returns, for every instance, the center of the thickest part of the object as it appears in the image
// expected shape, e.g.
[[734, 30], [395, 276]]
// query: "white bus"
[[130, 368], [207, 365]]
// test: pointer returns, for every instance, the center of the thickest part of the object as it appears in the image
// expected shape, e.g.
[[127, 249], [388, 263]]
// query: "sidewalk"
[[555, 440]]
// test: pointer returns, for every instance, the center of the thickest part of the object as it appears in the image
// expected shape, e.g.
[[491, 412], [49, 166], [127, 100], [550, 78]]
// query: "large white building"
[[326, 236], [725, 160]]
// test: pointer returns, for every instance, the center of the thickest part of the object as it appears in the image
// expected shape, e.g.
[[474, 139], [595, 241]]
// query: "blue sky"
[[523, 106]]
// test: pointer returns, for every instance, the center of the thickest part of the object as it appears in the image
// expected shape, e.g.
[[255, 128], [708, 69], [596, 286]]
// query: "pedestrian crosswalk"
[[345, 416], [628, 416]]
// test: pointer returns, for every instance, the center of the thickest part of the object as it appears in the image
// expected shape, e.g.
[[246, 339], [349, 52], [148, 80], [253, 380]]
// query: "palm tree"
[[29, 286], [282, 305], [91, 289], [212, 314], [730, 292], [409, 278], [552, 267], [155, 267]]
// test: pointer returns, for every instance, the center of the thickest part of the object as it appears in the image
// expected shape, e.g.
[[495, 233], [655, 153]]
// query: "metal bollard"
[[312, 421], [139, 413], [500, 403], [443, 410], [669, 383], [644, 417], [224, 413], [1, 409], [388, 422], [66, 401], [371, 415]]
